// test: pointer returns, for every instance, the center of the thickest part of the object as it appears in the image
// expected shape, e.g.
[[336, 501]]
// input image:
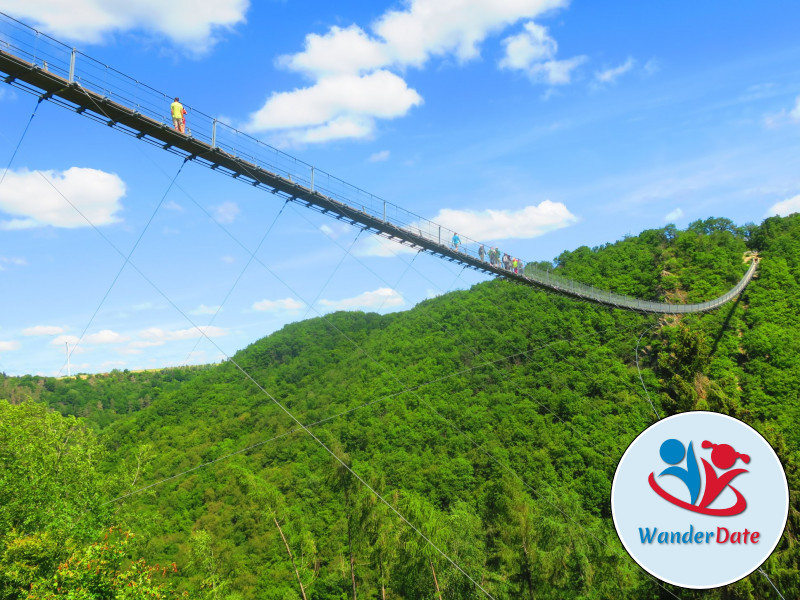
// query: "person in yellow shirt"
[[177, 110]]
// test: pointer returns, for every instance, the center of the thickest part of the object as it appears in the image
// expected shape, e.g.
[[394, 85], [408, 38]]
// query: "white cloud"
[[337, 106], [143, 306], [652, 66], [335, 229], [786, 207], [794, 114], [286, 304], [205, 310], [226, 212], [95, 193], [347, 50], [379, 156], [172, 205], [555, 72], [12, 260], [340, 128], [611, 75], [155, 336], [674, 215], [784, 116], [533, 45], [533, 52], [129, 350], [228, 260], [353, 85], [141, 344], [106, 336], [368, 300], [8, 346], [43, 330], [435, 28], [376, 245], [188, 23], [531, 221], [62, 339]]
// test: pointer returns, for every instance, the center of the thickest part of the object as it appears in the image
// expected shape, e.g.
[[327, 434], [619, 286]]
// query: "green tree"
[[51, 491], [102, 571]]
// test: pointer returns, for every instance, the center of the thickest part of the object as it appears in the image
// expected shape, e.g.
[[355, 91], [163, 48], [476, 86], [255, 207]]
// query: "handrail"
[[41, 65]]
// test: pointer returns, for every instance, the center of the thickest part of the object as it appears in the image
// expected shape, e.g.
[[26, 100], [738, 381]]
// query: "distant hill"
[[492, 419]]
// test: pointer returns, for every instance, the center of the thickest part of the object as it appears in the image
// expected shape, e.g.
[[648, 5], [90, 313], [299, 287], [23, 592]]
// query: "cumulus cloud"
[[612, 74], [68, 339], [337, 106], [376, 245], [187, 23], [284, 305], [43, 330], [354, 71], [674, 215], [652, 66], [379, 156], [366, 301], [786, 207], [434, 28], [155, 336], [106, 336], [205, 310], [531, 221], [34, 202], [784, 116], [11, 260], [8, 346], [226, 212], [335, 229], [533, 52], [172, 205], [348, 50], [143, 306]]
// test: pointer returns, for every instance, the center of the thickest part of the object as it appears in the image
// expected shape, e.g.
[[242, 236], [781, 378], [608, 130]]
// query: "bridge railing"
[[46, 53]]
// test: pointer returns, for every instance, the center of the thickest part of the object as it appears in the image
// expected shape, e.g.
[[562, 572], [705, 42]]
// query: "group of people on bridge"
[[507, 262]]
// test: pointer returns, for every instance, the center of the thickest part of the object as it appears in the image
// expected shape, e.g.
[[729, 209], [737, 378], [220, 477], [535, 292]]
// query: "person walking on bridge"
[[177, 110], [456, 242]]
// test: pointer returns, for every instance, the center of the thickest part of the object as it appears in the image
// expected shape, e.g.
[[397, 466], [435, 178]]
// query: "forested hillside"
[[492, 419]]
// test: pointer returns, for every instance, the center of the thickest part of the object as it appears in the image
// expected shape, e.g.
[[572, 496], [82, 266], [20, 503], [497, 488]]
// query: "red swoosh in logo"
[[737, 508]]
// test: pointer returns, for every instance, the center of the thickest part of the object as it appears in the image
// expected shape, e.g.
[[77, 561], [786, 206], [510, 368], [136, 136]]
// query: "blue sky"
[[535, 125]]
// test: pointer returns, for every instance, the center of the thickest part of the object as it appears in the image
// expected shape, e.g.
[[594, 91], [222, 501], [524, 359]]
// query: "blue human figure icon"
[[672, 452]]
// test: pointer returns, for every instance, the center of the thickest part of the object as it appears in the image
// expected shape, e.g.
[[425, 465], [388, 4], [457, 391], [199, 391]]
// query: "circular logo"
[[699, 500]]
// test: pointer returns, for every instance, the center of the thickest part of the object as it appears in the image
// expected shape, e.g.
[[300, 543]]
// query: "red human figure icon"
[[724, 457]]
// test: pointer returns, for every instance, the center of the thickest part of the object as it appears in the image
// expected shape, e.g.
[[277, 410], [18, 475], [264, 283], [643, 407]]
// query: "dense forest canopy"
[[492, 419]]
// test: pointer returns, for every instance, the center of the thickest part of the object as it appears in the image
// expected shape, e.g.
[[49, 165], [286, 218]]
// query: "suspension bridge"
[[41, 65]]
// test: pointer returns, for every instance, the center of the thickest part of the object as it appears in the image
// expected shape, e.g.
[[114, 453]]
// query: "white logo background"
[[635, 505]]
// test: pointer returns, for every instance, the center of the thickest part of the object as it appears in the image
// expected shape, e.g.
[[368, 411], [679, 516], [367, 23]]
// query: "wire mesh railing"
[[75, 67]]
